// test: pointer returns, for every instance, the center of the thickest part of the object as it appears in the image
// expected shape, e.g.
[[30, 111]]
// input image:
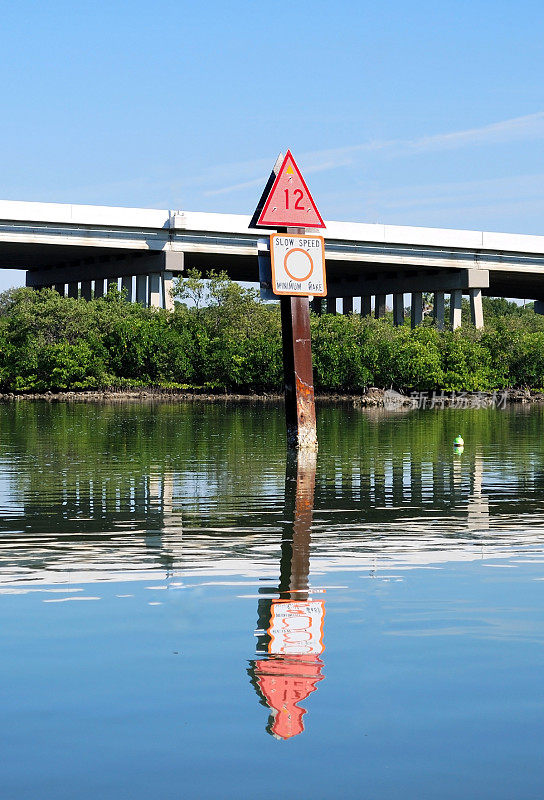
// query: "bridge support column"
[[398, 309], [154, 290], [86, 290], [476, 309], [59, 287], [317, 305], [539, 306], [141, 289], [379, 306], [99, 288], [331, 305], [73, 289], [366, 305], [126, 287], [456, 298], [347, 305], [439, 310], [167, 285], [416, 311]]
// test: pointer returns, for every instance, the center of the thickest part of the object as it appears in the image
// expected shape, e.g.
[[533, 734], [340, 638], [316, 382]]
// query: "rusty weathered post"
[[298, 373]]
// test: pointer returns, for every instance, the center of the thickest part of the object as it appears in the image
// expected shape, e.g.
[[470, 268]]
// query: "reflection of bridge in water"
[[125, 522], [83, 526], [394, 486]]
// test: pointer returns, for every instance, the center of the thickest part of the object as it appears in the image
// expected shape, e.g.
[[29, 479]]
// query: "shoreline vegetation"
[[221, 341]]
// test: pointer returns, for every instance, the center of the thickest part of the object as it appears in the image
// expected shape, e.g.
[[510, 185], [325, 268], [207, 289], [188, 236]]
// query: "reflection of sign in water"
[[292, 669], [284, 682], [296, 627]]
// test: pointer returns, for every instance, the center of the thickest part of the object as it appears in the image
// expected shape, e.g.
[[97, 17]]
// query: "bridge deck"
[[61, 242]]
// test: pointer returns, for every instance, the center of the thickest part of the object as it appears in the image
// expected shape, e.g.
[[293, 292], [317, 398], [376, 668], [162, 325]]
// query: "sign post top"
[[289, 203]]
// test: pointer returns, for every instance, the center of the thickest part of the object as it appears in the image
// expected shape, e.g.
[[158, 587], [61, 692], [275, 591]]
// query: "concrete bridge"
[[80, 249]]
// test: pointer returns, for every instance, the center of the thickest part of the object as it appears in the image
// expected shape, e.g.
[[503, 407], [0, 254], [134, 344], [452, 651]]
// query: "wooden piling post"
[[298, 373]]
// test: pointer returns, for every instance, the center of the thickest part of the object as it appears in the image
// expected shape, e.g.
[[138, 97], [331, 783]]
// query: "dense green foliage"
[[221, 337]]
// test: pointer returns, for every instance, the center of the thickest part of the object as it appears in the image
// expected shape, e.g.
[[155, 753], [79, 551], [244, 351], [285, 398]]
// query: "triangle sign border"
[[288, 156]]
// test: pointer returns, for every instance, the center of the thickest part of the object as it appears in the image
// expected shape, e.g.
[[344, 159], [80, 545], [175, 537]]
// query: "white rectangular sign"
[[296, 627], [298, 264]]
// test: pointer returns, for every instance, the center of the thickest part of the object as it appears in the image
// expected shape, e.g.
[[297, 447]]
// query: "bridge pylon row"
[[153, 290], [418, 309]]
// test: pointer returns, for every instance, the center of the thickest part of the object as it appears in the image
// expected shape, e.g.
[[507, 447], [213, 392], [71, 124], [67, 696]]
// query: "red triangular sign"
[[290, 203]]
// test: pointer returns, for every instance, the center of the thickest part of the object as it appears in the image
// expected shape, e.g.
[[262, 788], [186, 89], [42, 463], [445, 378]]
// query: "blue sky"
[[421, 113]]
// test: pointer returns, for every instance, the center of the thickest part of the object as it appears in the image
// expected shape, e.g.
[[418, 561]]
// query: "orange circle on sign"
[[298, 250]]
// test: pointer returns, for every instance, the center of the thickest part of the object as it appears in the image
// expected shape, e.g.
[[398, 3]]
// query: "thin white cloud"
[[319, 167], [235, 187], [530, 126], [508, 203], [498, 191]]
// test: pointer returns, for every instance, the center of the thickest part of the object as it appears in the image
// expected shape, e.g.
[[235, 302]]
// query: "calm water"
[[183, 614]]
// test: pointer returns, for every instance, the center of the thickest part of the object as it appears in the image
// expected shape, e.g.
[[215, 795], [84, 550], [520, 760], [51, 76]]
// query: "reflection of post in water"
[[397, 479], [478, 504], [291, 627]]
